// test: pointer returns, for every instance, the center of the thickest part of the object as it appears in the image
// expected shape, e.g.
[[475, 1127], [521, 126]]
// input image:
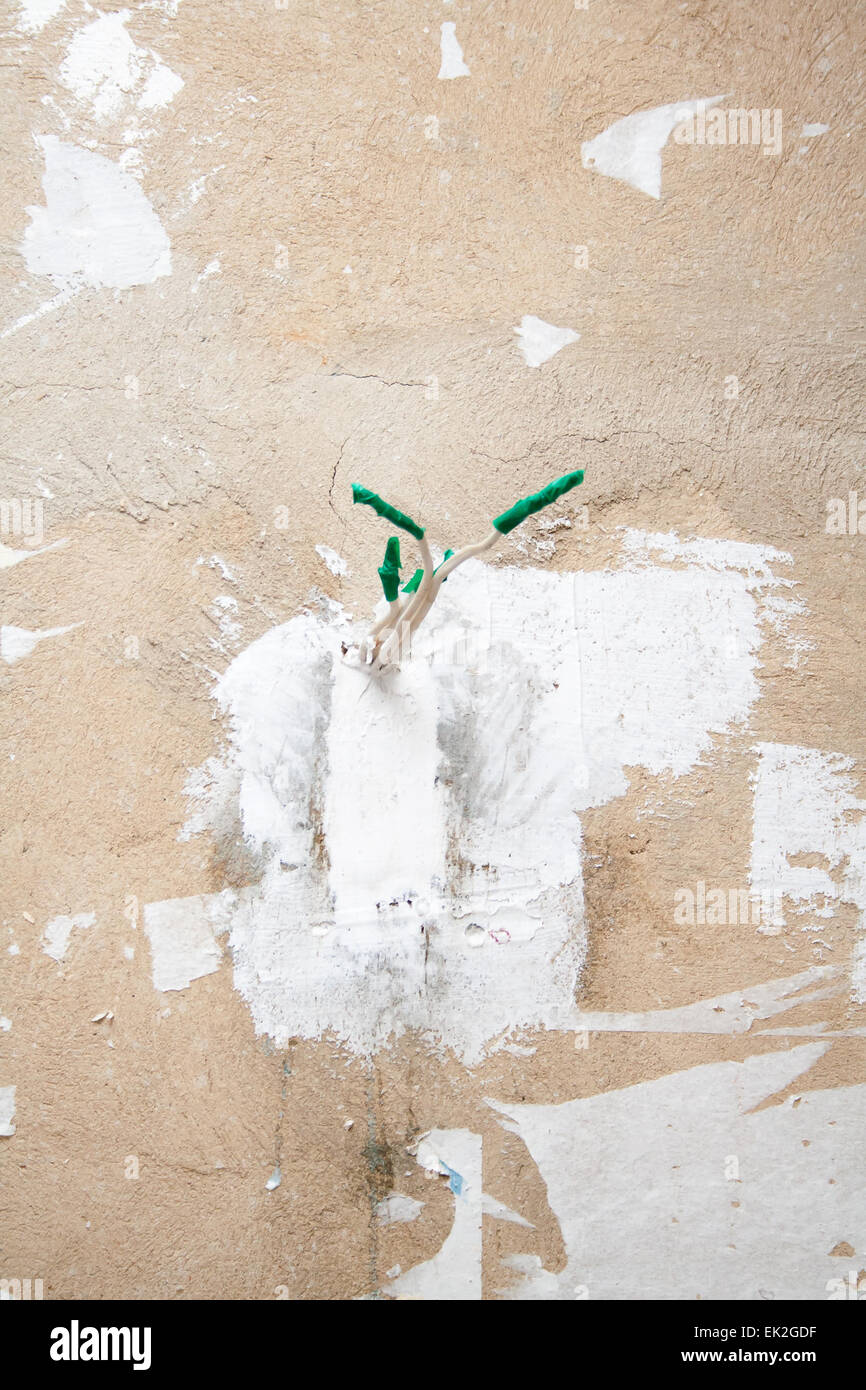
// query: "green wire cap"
[[389, 570], [419, 575], [372, 499], [536, 500]]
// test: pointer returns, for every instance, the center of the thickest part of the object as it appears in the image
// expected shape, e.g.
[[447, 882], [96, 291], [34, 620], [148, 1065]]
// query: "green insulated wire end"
[[419, 575], [372, 499], [389, 570], [536, 500]]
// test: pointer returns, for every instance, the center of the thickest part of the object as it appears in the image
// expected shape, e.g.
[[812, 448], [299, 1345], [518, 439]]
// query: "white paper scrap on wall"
[[630, 149], [452, 54], [58, 933], [183, 937], [693, 1144], [97, 228], [7, 1111], [539, 341], [805, 804]]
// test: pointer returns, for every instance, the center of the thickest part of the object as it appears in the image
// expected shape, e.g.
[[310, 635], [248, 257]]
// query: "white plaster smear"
[[418, 836], [452, 54], [336, 564], [97, 228], [58, 933], [35, 14], [539, 341], [805, 803], [183, 937], [107, 71], [18, 642], [631, 149], [648, 1162], [7, 1111], [810, 131]]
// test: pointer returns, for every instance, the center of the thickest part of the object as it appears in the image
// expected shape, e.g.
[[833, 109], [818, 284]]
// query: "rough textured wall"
[[255, 252]]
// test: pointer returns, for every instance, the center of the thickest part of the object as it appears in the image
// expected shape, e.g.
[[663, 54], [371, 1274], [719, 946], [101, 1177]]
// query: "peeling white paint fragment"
[[5, 1023], [630, 149], [18, 642], [336, 564], [105, 70], [183, 937], [452, 54], [7, 1111], [539, 341], [535, 693], [396, 1208], [454, 1272], [805, 803], [810, 131], [57, 934], [274, 1180], [672, 1137], [10, 557], [97, 228], [37, 13]]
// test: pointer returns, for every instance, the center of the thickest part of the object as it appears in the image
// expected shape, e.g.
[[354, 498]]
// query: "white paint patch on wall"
[[718, 553], [336, 564], [18, 642], [35, 14], [454, 1272], [630, 149], [534, 695], [183, 937], [388, 846], [805, 803], [105, 70], [674, 1138], [380, 939], [539, 341], [97, 228], [58, 932], [779, 606], [7, 1111], [810, 131], [452, 54]]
